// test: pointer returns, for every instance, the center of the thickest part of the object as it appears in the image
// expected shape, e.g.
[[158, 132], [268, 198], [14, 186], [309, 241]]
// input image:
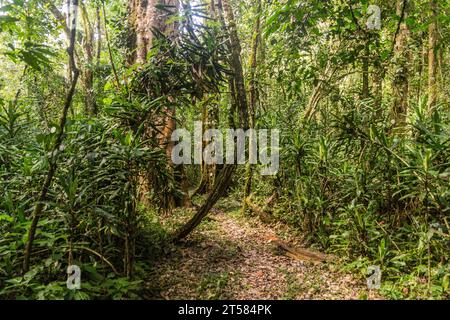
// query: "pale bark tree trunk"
[[145, 17], [88, 72], [319, 92]]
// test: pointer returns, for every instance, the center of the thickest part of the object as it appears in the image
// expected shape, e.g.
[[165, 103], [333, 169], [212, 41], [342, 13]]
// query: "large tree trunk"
[[144, 18]]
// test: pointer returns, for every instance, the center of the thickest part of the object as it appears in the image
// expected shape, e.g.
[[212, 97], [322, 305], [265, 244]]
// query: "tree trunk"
[[253, 64], [401, 56], [378, 78], [88, 73], [240, 105], [144, 18], [38, 210], [210, 120], [365, 71], [421, 62], [99, 88], [236, 65], [432, 63]]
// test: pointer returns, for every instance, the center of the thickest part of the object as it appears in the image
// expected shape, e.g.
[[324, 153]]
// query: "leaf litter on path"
[[233, 259]]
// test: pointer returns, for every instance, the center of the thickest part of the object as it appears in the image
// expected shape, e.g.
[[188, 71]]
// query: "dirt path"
[[229, 258]]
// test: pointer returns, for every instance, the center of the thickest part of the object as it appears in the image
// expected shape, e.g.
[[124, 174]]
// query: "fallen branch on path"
[[299, 253]]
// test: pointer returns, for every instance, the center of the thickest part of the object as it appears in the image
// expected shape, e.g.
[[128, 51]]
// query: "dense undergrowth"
[[358, 178], [92, 212], [358, 192], [375, 197]]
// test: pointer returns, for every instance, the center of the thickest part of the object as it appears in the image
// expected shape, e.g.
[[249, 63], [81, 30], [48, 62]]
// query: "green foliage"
[[353, 181], [364, 192], [212, 286], [93, 205]]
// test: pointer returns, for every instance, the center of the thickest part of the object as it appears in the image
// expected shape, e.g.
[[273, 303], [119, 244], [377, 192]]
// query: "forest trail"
[[230, 257]]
